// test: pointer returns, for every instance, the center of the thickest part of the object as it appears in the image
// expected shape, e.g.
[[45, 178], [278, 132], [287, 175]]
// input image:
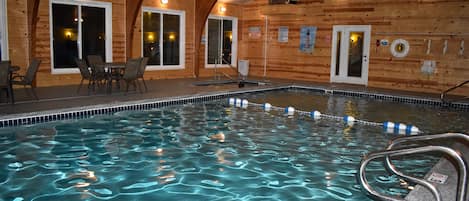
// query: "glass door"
[[3, 31], [221, 41], [93, 31], [350, 54], [65, 35]]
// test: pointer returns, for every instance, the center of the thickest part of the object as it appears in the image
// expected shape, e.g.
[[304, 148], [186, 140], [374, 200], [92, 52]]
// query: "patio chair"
[[85, 73], [29, 77], [131, 73], [141, 71], [98, 71], [5, 80]]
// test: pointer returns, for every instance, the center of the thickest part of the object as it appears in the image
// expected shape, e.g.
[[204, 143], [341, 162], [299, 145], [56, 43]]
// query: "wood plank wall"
[[18, 33], [435, 20], [415, 21]]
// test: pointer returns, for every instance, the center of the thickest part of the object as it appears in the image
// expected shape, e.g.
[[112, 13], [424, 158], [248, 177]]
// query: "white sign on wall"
[[283, 34]]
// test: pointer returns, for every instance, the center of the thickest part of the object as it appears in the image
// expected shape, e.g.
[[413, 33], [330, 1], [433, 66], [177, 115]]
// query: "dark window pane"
[[356, 54], [65, 35], [93, 31], [171, 34], [227, 41], [213, 41], [337, 58], [151, 37]]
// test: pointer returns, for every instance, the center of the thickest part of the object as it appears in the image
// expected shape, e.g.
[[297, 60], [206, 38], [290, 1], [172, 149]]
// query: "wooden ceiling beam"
[[202, 10], [131, 9], [32, 10]]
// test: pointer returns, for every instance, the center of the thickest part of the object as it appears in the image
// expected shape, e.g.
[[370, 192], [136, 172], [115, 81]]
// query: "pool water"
[[170, 153]]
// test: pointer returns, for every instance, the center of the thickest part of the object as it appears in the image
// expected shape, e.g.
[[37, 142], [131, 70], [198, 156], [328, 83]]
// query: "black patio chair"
[[98, 71], [85, 73], [5, 80], [131, 72], [29, 77], [141, 71]]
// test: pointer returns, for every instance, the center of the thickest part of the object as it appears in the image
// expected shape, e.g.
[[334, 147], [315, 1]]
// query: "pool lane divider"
[[388, 126]]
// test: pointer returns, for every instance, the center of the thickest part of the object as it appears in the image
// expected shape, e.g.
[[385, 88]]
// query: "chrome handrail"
[[407, 151], [462, 182], [223, 73], [443, 94]]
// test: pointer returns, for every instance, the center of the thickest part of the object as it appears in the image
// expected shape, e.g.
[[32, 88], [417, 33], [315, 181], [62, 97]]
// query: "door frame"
[[4, 30], [344, 47], [234, 42]]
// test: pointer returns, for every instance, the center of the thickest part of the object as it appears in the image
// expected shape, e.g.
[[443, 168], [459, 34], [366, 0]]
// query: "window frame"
[[108, 40], [234, 43], [182, 37], [4, 30]]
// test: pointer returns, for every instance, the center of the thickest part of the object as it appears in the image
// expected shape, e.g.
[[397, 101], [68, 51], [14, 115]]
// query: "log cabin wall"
[[232, 10], [18, 33], [188, 6], [418, 22]]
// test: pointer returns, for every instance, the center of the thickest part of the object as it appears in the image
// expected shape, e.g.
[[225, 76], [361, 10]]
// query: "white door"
[[3, 31], [350, 54]]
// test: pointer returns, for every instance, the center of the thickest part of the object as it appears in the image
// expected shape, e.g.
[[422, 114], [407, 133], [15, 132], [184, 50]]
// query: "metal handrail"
[[407, 151], [223, 73], [443, 94], [462, 183]]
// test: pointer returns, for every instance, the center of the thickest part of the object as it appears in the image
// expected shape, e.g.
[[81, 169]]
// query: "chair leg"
[[144, 84], [127, 83], [11, 95], [134, 82], [79, 86], [139, 87], [34, 92]]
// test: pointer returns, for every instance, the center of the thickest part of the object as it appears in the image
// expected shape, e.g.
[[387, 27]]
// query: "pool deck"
[[63, 97]]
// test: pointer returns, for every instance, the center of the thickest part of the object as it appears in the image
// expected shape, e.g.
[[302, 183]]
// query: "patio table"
[[114, 71]]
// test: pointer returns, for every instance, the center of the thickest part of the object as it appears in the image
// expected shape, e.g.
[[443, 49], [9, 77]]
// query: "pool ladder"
[[443, 94], [391, 151]]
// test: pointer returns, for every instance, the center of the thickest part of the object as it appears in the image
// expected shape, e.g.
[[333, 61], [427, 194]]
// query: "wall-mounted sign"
[[307, 39], [283, 34], [384, 42], [254, 32]]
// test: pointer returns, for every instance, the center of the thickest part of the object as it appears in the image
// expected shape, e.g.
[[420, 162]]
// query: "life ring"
[[400, 48]]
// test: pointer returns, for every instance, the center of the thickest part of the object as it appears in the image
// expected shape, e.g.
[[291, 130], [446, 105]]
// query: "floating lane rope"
[[389, 127]]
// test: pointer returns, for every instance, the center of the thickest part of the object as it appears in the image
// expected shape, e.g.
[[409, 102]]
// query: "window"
[[3, 31], [163, 38], [220, 48], [79, 29]]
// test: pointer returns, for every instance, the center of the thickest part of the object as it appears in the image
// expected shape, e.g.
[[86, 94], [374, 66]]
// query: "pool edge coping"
[[145, 104]]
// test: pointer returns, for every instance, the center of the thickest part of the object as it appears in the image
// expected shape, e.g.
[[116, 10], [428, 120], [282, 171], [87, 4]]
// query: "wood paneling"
[[414, 21], [18, 33]]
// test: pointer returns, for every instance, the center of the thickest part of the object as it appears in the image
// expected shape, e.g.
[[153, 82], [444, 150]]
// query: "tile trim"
[[86, 112]]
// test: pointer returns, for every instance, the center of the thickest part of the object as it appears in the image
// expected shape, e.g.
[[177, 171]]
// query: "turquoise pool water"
[[171, 154]]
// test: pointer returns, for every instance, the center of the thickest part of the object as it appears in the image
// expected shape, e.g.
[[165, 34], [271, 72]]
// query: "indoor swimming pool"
[[213, 151]]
